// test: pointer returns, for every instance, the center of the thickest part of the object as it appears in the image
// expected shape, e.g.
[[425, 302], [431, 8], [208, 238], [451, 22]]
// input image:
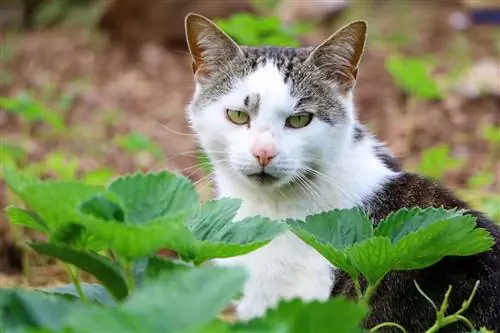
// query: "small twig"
[[425, 296], [388, 324]]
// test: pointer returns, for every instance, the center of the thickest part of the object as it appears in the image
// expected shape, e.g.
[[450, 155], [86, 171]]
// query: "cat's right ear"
[[209, 46]]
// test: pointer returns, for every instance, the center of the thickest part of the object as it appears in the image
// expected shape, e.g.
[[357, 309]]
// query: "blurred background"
[[90, 89]]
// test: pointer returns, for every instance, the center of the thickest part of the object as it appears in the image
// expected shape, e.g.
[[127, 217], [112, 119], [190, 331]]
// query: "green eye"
[[238, 117], [299, 120]]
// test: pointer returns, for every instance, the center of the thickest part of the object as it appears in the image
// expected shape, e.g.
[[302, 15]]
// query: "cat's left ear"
[[340, 54]]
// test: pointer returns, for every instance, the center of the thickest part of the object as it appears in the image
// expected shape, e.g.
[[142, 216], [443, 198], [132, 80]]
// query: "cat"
[[280, 128]]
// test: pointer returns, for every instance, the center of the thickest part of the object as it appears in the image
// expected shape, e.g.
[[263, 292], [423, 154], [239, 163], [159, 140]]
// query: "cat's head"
[[270, 116]]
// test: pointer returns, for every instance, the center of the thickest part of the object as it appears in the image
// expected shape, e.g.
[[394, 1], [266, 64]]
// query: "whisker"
[[171, 130]]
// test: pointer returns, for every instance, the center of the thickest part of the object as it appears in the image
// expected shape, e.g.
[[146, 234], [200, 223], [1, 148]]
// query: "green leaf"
[[17, 181], [102, 268], [317, 317], [404, 221], [149, 196], [330, 233], [413, 76], [435, 162], [177, 301], [373, 258], [98, 176], [92, 291], [157, 266], [25, 218], [106, 206], [69, 234], [340, 227], [21, 310], [217, 235], [134, 241], [154, 266], [455, 236], [57, 202]]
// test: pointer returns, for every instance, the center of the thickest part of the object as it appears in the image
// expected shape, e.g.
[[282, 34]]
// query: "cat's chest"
[[283, 269]]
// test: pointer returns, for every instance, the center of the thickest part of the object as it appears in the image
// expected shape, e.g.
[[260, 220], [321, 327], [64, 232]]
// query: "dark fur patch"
[[385, 155], [397, 299]]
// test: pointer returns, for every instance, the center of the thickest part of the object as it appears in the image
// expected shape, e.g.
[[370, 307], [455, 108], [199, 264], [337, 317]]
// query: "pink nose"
[[264, 148]]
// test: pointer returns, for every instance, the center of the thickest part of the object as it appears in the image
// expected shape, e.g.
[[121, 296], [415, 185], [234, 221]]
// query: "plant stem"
[[130, 277], [359, 293], [443, 321], [75, 279], [388, 324], [370, 290]]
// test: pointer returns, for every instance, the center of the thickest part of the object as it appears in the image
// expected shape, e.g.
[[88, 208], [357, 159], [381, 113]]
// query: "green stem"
[[357, 287], [370, 290], [130, 277], [75, 279], [388, 324]]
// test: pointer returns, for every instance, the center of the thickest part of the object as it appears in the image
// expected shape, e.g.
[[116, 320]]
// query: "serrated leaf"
[[68, 234], [17, 181], [340, 228], [177, 301], [25, 218], [455, 236], [153, 267], [92, 291], [317, 317], [217, 235], [106, 206], [158, 266], [102, 268], [373, 258], [21, 310], [134, 241], [57, 202], [149, 196], [404, 221], [330, 233]]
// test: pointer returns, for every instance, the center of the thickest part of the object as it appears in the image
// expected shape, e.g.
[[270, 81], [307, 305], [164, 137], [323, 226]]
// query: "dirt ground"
[[151, 88]]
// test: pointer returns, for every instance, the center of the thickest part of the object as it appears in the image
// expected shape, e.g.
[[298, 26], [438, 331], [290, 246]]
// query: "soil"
[[150, 88]]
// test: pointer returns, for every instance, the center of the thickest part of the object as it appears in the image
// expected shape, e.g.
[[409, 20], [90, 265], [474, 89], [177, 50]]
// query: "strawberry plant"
[[114, 232]]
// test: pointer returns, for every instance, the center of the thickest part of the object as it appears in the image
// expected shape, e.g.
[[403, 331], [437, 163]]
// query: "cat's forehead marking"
[[252, 103]]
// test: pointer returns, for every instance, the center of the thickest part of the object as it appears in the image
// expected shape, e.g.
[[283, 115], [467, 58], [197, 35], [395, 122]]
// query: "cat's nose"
[[264, 148]]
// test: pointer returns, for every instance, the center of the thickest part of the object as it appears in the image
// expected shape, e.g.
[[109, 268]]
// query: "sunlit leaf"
[[149, 196]]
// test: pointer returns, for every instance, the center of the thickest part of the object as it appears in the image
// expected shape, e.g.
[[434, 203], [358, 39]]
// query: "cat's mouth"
[[263, 178]]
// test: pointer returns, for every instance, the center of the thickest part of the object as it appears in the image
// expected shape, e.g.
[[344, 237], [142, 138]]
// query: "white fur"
[[286, 268]]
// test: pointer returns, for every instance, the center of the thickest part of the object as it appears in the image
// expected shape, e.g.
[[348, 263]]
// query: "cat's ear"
[[340, 54], [209, 46]]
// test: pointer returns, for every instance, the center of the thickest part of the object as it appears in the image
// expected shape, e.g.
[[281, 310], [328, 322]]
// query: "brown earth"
[[151, 89]]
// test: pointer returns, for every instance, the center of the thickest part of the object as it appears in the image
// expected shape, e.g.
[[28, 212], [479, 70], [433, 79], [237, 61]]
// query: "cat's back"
[[398, 300]]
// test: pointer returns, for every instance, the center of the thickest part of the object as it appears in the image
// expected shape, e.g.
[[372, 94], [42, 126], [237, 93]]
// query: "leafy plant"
[[249, 29], [135, 142], [413, 76], [115, 231], [436, 161], [32, 110]]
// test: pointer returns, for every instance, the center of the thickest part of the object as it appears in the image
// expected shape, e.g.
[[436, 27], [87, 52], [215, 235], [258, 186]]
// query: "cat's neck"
[[345, 183]]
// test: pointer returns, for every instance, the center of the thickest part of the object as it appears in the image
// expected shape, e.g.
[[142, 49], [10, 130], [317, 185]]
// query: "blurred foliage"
[[252, 30], [413, 76], [136, 142], [31, 110], [81, 13]]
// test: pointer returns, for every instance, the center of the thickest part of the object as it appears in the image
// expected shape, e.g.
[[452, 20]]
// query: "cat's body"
[[280, 129]]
